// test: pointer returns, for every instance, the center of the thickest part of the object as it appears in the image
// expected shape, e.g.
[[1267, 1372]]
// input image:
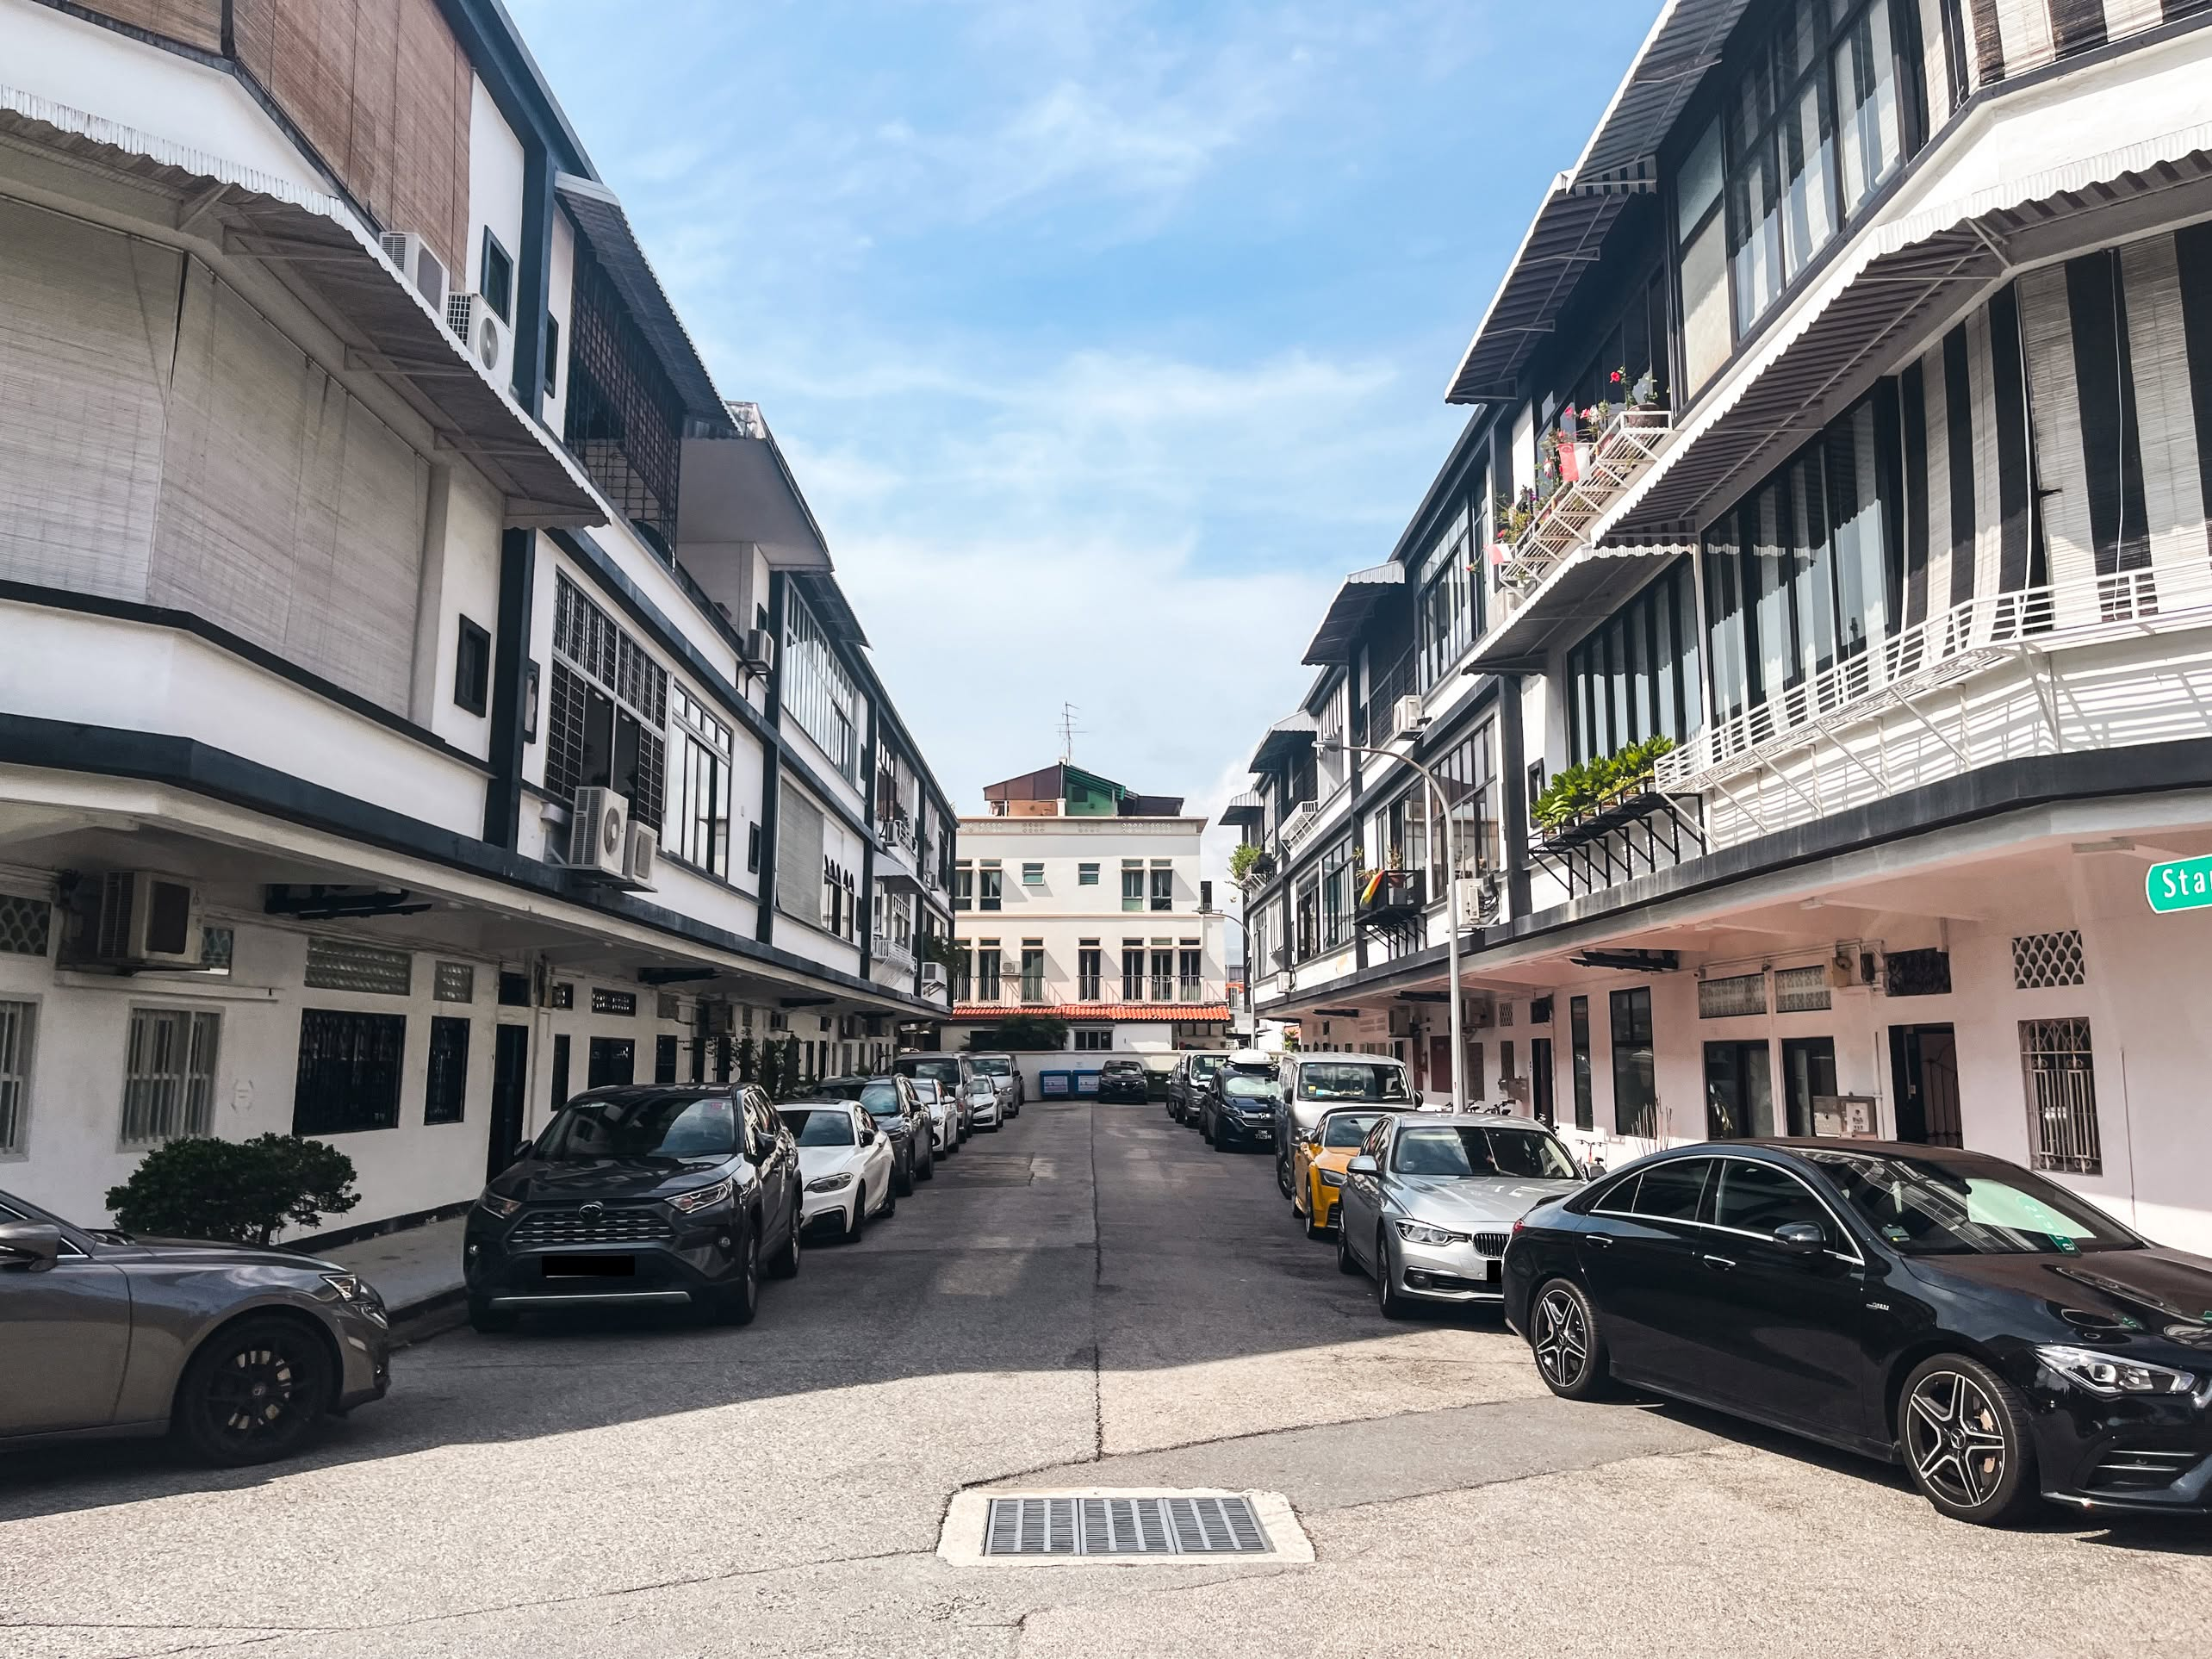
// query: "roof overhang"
[[1355, 601], [600, 218], [1578, 592], [830, 607], [1620, 160], [314, 245], [1244, 809], [738, 488], [1283, 740]]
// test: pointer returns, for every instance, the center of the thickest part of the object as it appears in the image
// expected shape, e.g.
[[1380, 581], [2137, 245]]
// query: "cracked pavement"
[[1089, 1297]]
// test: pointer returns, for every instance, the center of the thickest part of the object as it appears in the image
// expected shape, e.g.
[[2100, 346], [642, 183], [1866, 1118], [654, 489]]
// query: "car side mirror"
[[30, 1246], [1362, 1164], [1799, 1239], [524, 1150]]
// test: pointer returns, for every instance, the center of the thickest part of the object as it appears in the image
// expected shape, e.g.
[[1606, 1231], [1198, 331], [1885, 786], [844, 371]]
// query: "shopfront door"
[[1924, 1068], [1739, 1093]]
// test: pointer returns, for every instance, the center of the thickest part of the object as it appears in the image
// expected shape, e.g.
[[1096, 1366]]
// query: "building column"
[[764, 923], [510, 689]]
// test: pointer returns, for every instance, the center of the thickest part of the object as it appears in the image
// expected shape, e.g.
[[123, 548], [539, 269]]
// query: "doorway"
[[613, 1059], [1540, 1078], [1924, 1067], [1808, 1072], [1739, 1091], [1440, 1066], [510, 1084], [560, 1097]]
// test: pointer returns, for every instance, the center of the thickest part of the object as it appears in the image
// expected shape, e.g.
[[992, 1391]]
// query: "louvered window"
[[608, 707]]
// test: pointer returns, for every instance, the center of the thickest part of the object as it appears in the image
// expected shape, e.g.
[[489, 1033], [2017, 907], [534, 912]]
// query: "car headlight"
[[498, 1206], [703, 1197], [2110, 1376], [358, 1293], [1421, 1232], [1330, 1178], [829, 1183]]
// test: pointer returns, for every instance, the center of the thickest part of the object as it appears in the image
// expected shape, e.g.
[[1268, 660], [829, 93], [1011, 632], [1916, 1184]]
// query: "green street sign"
[[2181, 884]]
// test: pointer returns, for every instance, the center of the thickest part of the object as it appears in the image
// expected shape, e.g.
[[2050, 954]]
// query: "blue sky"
[[1105, 338]]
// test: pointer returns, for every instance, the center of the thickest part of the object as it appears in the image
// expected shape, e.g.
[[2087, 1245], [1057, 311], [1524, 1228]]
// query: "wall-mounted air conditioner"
[[144, 920], [480, 328], [424, 270], [1401, 1021], [1477, 897], [933, 979], [1298, 823], [641, 856], [1479, 1010], [758, 652], [599, 833], [1406, 716]]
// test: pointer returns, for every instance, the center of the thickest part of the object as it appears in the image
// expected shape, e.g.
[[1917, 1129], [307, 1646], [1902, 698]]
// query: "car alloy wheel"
[[1283, 1175], [786, 1264], [254, 1392], [1963, 1431], [1570, 1355], [1393, 1305], [743, 1300]]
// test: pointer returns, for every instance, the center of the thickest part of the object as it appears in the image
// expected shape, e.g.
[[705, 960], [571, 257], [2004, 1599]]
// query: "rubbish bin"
[[1055, 1085], [1086, 1083]]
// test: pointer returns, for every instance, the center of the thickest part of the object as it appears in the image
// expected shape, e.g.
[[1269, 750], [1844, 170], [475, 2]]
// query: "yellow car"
[[1318, 1160]]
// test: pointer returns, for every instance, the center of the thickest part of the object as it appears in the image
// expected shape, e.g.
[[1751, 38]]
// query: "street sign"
[[2181, 884]]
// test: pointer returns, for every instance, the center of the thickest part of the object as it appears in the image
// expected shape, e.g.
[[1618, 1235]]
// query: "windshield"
[[640, 1126], [1119, 1067], [1922, 1207], [1347, 1128], [820, 1126], [946, 1072], [995, 1066], [1443, 1150], [839, 1088], [1350, 1080], [1238, 1086], [882, 1098], [1204, 1065], [925, 1089]]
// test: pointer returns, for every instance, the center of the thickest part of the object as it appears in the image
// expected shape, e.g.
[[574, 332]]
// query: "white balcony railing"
[[1605, 466]]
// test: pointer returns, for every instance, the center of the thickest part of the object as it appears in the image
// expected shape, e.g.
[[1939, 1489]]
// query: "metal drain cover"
[[1160, 1527]]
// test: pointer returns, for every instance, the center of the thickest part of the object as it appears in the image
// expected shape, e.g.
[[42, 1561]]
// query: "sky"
[[1104, 339]]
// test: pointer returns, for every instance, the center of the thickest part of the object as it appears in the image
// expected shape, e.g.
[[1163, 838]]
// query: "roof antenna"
[[1069, 732]]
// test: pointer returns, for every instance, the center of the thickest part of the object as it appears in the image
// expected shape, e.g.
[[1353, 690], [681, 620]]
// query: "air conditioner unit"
[[933, 979], [145, 921], [1857, 962], [1298, 823], [1477, 897], [422, 268], [1479, 1012], [1401, 1021], [599, 833], [483, 331], [1406, 716], [758, 652], [641, 856]]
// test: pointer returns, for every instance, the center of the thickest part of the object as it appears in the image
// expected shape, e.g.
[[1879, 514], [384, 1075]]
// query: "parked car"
[[986, 1102], [844, 1164], [946, 1122], [1238, 1111], [1429, 1202], [236, 1350], [1320, 1159], [1002, 1070], [900, 1112], [1187, 1082], [643, 1194], [949, 1071], [1998, 1335], [1120, 1079], [1313, 1083]]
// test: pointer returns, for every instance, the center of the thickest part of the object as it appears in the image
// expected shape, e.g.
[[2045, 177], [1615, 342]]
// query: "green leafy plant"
[[1242, 857], [747, 1060], [790, 1075], [1025, 1033], [943, 949], [1576, 791], [245, 1192]]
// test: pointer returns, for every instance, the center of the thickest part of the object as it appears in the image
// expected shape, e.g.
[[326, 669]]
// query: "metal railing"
[[1087, 987], [1605, 465]]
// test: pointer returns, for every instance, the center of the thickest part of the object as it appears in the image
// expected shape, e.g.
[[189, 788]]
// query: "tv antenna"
[[1069, 732]]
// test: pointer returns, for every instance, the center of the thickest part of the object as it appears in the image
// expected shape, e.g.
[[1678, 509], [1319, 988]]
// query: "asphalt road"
[[1089, 1297]]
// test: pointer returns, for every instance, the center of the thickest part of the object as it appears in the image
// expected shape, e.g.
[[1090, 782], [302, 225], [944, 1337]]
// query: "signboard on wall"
[[2180, 884]]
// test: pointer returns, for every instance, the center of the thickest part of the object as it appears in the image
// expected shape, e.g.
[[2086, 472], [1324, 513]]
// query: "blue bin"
[[1055, 1085], [1086, 1083]]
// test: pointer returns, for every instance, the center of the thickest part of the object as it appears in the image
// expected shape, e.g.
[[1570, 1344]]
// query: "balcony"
[[1391, 899]]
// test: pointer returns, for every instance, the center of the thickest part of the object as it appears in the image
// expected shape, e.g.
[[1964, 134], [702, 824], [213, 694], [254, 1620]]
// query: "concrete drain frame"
[[1121, 1526]]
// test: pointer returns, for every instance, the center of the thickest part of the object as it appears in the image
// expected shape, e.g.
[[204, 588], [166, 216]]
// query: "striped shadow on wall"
[[1968, 44]]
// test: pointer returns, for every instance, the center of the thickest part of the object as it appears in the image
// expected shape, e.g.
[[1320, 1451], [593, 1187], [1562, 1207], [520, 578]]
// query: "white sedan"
[[984, 1104], [944, 1117], [844, 1164]]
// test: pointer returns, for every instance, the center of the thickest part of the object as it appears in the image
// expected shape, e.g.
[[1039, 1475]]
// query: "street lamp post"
[[1451, 910]]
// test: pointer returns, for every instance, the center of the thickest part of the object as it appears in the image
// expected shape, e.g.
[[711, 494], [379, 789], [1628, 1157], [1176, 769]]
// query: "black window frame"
[[472, 667], [349, 1071], [494, 261], [445, 1075], [1639, 1118], [1578, 1039]]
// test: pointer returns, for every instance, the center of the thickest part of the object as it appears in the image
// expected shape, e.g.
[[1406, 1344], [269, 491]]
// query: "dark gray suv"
[[238, 1351]]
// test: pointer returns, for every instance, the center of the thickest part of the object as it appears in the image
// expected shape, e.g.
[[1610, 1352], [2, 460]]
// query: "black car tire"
[[902, 1174], [1315, 1228], [1955, 1417], [219, 1416], [891, 1201], [738, 1303], [1387, 1299], [786, 1266], [859, 1224], [1282, 1173], [929, 1169], [928, 1146], [1347, 1263], [488, 1321], [1561, 1320]]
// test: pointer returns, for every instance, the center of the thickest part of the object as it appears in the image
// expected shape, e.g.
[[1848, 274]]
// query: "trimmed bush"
[[241, 1191]]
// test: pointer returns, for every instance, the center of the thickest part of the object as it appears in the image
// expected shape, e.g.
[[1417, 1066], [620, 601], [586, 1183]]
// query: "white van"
[[1316, 1083]]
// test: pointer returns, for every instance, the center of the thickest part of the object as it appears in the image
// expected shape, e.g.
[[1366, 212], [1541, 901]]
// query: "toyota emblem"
[[592, 1212]]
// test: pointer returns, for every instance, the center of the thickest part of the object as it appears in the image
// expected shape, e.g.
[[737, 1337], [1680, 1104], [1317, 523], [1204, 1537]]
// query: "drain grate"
[[1124, 1526]]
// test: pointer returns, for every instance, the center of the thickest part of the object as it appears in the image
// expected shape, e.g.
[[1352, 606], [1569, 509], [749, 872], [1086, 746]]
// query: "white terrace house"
[[423, 694], [1845, 423]]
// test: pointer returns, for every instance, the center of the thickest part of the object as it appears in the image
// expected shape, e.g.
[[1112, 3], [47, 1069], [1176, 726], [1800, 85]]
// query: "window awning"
[[738, 488], [598, 213], [313, 244], [1578, 592], [1283, 740], [1620, 160], [1348, 611], [1244, 809]]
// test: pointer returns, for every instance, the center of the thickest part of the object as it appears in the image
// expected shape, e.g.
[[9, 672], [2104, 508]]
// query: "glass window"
[[1578, 1026], [642, 1126], [1868, 114], [1630, 678], [990, 889], [1086, 875], [17, 1026], [348, 1078], [1350, 1080], [963, 888], [1132, 888], [1163, 889], [1759, 1197], [1343, 1130], [1636, 1098], [821, 695], [1033, 875], [446, 1090], [1971, 1208], [1670, 1191], [698, 827]]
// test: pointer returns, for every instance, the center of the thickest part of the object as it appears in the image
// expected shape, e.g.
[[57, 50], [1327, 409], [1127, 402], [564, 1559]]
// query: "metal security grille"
[[169, 1076], [15, 1027], [1916, 973], [1740, 993], [454, 982], [1801, 990], [2061, 1079], [217, 946], [624, 419], [623, 1003], [348, 964], [1164, 1526], [25, 924], [445, 1085], [349, 1071], [596, 658], [2041, 960]]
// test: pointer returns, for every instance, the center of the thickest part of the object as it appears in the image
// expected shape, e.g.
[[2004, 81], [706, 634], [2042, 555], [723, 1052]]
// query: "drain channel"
[[1024, 1526]]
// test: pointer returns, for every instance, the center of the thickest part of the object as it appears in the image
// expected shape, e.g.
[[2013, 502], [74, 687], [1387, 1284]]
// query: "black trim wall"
[[510, 688]]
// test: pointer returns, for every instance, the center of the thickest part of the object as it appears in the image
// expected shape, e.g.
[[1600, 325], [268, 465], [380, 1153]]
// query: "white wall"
[[495, 171]]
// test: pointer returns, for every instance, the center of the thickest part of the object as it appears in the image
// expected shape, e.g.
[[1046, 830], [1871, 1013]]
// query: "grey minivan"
[[239, 1351]]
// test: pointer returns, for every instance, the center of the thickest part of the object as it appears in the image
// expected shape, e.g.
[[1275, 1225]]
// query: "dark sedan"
[[2000, 1337], [1121, 1080], [639, 1195], [898, 1111], [1237, 1110], [237, 1350]]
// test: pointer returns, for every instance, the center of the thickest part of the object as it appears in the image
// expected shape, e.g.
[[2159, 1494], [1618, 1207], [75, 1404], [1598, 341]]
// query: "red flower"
[[1616, 376]]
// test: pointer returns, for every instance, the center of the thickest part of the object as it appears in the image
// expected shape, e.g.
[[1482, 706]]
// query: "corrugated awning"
[[315, 247], [1355, 601], [1244, 809], [597, 214], [1578, 592], [1620, 160], [830, 606], [1283, 739]]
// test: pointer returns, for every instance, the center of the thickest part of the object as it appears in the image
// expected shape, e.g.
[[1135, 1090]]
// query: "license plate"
[[1492, 1268], [591, 1267]]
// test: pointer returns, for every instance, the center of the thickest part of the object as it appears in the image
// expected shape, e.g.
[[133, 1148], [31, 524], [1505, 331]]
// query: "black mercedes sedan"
[[639, 1195], [1999, 1336]]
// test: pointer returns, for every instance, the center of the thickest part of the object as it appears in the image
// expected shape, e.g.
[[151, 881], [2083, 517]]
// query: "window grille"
[[627, 751], [564, 995], [1505, 1014], [17, 1020], [217, 947], [25, 925], [2041, 960], [446, 1091], [169, 1075], [624, 419], [1740, 993], [2062, 1083], [1916, 973], [349, 1073], [348, 964], [1801, 990], [613, 1001], [453, 982]]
